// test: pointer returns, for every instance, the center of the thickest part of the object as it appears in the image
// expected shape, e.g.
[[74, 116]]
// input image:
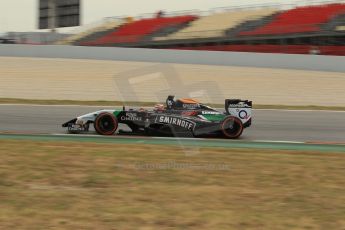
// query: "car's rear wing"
[[241, 109]]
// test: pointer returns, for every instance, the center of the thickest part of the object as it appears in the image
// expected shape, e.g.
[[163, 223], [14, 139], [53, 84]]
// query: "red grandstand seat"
[[299, 20], [136, 30]]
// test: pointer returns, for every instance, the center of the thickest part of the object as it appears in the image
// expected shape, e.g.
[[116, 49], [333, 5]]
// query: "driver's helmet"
[[159, 107]]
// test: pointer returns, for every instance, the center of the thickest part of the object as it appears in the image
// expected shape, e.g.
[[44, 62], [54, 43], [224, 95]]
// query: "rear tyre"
[[106, 124], [232, 127]]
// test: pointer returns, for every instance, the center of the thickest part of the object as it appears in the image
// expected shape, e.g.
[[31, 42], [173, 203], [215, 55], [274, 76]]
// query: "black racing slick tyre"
[[106, 124], [232, 127]]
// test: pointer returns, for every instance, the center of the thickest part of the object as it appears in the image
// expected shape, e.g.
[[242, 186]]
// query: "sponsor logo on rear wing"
[[239, 108], [240, 105]]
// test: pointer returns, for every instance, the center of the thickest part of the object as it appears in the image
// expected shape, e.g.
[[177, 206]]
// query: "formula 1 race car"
[[179, 118]]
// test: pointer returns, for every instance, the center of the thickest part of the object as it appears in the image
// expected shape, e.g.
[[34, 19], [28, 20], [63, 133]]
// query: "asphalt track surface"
[[268, 125]]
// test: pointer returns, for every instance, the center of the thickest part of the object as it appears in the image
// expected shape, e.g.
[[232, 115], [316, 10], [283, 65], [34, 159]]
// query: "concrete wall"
[[282, 61]]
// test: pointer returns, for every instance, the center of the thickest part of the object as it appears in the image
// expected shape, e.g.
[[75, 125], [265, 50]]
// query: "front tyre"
[[232, 127], [106, 124]]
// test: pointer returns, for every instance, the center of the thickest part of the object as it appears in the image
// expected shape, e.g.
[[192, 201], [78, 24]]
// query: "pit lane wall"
[[32, 75]]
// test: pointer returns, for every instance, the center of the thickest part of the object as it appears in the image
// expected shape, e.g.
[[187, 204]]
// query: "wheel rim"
[[106, 124], [232, 127]]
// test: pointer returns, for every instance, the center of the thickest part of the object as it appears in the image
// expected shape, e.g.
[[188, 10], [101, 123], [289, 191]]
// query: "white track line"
[[181, 138], [141, 139], [76, 135], [282, 142], [117, 106]]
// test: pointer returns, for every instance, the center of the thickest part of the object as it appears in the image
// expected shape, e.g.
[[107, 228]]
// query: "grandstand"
[[92, 32], [215, 25], [139, 30], [300, 20], [317, 28]]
